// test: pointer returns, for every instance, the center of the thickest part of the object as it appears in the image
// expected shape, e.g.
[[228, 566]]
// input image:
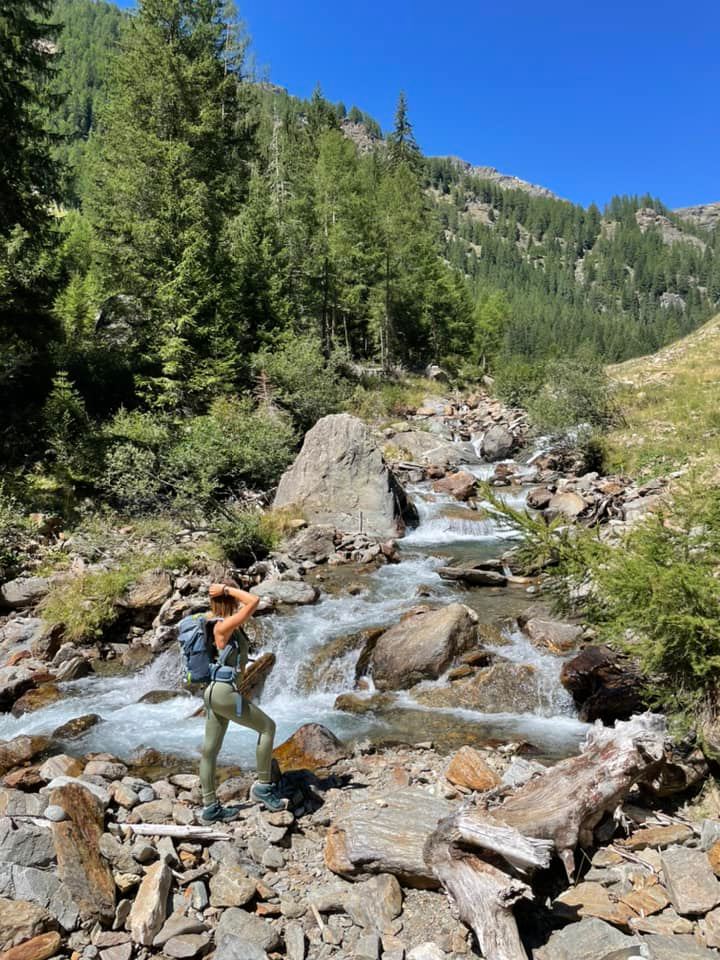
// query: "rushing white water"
[[294, 637]]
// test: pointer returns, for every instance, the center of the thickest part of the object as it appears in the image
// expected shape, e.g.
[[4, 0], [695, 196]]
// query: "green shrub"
[[131, 477], [574, 392], [14, 535], [296, 375], [518, 381]]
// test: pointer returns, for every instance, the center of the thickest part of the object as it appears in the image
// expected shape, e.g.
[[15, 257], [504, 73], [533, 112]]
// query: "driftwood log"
[[483, 855]]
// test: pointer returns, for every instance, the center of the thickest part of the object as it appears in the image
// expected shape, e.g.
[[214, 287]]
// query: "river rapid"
[[448, 531]]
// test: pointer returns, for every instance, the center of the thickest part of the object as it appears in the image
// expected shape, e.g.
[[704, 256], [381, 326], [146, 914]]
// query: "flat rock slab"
[[20, 920], [589, 899], [240, 928], [683, 947], [387, 834], [693, 887], [661, 837], [590, 939]]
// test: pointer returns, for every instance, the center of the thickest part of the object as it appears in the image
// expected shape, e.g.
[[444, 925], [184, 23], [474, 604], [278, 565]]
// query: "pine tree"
[[402, 145], [29, 182], [172, 170]]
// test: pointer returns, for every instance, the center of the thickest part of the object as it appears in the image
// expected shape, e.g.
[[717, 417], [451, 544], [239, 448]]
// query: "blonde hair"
[[224, 606]]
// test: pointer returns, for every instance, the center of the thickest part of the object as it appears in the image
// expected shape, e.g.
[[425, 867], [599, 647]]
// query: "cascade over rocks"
[[339, 475]]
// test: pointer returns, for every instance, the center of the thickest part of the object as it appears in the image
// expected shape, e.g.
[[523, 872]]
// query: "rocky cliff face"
[[706, 215]]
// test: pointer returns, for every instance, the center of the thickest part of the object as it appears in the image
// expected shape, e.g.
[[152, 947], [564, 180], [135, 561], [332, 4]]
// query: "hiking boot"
[[216, 813], [269, 795]]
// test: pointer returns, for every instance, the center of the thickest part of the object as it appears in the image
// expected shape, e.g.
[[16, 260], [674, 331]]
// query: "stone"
[[108, 769], [426, 951], [55, 814], [23, 592], [154, 811], [677, 948], [657, 837], [73, 669], [16, 803], [17, 635], [232, 947], [237, 923], [77, 727], [35, 699], [693, 887], [709, 834], [566, 504], [374, 903], [314, 544], [121, 951], [311, 747], [290, 592], [25, 844], [149, 908], [667, 923], [710, 928], [42, 887], [461, 485], [39, 948], [231, 887], [21, 920], [100, 793], [125, 796], [422, 646], [273, 859], [117, 854], [178, 925], [339, 475], [367, 947], [14, 682], [24, 778], [554, 635], [539, 498], [148, 593], [604, 685], [497, 444], [468, 769], [294, 941], [588, 899], [198, 895], [81, 868], [591, 939], [61, 765], [520, 771], [187, 945], [502, 687], [20, 750]]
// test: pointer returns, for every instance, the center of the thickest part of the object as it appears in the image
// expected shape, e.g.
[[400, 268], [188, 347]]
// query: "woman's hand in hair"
[[216, 590]]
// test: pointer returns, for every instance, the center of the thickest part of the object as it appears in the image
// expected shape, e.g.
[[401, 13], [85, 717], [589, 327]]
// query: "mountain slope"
[[671, 401]]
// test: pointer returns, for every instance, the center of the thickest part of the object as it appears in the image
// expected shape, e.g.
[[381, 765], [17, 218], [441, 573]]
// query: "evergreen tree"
[[29, 182], [174, 142], [402, 146]]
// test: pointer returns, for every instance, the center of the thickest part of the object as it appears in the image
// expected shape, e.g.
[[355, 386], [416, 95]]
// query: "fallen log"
[[476, 853], [178, 831]]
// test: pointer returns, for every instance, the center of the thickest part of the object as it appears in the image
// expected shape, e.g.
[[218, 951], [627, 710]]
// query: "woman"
[[230, 607]]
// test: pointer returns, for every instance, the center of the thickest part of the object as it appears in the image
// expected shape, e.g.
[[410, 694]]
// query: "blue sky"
[[587, 99]]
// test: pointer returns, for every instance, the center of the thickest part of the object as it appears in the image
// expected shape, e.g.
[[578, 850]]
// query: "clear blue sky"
[[587, 99]]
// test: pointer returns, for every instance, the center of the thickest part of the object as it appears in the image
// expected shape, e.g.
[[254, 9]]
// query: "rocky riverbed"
[[393, 618]]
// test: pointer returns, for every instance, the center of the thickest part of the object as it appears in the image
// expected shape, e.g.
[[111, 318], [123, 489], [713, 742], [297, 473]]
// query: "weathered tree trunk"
[[476, 853]]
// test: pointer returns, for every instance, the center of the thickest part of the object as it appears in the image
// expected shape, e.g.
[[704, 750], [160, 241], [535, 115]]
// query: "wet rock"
[[461, 485], [149, 908], [323, 667], [354, 703], [554, 635], [468, 768], [604, 685], [231, 887], [25, 845], [315, 543], [35, 699], [339, 474], [422, 646], [497, 444], [77, 727], [591, 939], [23, 592], [311, 747], [236, 924], [20, 750], [81, 868], [39, 948], [474, 576], [496, 689], [693, 887], [14, 682], [290, 592], [73, 669]]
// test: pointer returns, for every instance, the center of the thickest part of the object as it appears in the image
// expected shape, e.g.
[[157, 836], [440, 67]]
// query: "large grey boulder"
[[340, 476], [591, 939], [23, 592], [497, 444], [422, 646], [427, 448]]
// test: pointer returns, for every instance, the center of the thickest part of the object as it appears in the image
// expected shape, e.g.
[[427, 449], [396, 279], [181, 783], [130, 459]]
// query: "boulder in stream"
[[461, 485], [340, 478], [604, 685], [498, 443], [422, 646]]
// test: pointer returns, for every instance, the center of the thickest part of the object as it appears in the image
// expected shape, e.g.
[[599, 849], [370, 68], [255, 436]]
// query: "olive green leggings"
[[221, 703]]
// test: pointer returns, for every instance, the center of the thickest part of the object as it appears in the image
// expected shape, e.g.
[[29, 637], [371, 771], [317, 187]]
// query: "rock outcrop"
[[341, 479]]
